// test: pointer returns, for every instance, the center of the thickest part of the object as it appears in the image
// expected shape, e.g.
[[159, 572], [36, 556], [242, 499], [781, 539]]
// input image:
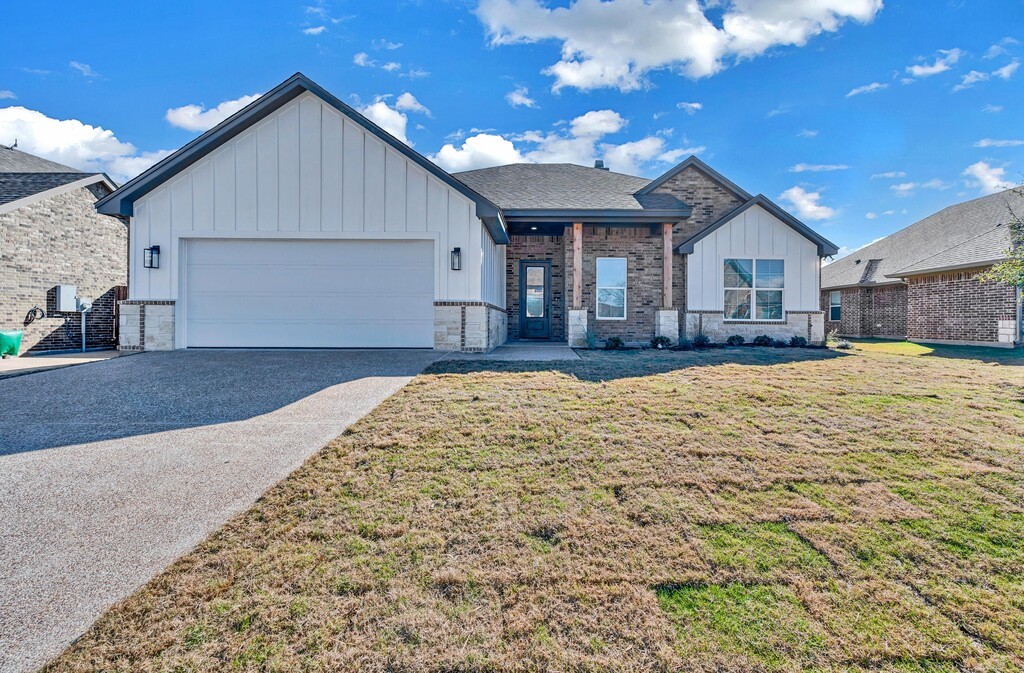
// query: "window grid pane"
[[611, 288], [739, 273], [737, 304], [767, 279]]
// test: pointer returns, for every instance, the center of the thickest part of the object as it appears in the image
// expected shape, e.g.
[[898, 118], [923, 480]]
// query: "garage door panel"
[[309, 294]]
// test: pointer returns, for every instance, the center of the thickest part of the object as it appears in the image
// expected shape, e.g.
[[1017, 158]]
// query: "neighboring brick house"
[[921, 283], [50, 235], [298, 222]]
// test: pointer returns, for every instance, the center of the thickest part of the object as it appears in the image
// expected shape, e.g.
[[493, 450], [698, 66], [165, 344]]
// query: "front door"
[[534, 300]]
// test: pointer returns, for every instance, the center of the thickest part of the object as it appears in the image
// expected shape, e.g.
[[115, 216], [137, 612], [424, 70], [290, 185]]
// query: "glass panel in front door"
[[535, 292]]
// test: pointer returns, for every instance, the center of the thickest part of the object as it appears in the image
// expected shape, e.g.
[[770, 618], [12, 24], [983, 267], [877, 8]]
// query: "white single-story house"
[[299, 223]]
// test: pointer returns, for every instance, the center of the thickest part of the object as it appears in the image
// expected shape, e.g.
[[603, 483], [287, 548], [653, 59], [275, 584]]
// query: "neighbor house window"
[[753, 289], [835, 305], [611, 288]]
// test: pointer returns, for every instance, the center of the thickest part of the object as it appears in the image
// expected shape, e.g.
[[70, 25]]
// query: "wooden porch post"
[[577, 265], [666, 268]]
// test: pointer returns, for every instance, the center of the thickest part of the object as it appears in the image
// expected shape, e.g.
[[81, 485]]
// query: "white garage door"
[[309, 294]]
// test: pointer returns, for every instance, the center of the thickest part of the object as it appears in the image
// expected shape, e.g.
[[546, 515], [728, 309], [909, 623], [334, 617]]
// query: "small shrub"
[[614, 343], [684, 344], [763, 340], [798, 342], [780, 343], [735, 340], [844, 344], [660, 342], [701, 340], [832, 337]]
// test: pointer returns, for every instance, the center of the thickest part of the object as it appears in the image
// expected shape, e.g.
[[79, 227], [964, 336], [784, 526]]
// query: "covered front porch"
[[598, 275]]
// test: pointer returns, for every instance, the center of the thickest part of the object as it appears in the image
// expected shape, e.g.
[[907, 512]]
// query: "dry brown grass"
[[727, 510]]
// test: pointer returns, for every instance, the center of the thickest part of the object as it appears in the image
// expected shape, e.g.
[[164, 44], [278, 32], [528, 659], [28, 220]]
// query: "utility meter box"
[[66, 298]]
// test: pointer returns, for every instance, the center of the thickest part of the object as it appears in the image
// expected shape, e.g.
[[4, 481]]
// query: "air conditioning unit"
[[66, 295]]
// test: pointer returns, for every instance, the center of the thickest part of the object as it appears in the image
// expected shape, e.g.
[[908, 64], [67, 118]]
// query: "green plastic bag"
[[10, 343]]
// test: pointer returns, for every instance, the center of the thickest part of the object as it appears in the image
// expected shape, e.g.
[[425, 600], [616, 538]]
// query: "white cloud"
[[987, 178], [690, 108], [314, 30], [84, 68], [6, 93], [480, 151], [577, 142], [904, 189], [807, 133], [519, 97], [391, 66], [196, 118], [807, 205], [817, 168], [673, 156], [992, 142], [385, 44], [975, 76], [871, 216], [942, 63], [616, 43], [408, 103], [936, 183], [992, 109], [1000, 48], [363, 60], [388, 118], [416, 73], [889, 174], [867, 88], [1006, 72], [76, 144]]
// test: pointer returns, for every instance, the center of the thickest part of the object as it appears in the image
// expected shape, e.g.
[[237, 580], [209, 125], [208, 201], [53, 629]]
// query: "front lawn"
[[737, 509]]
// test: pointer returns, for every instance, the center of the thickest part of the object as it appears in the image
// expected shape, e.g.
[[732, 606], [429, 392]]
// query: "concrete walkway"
[[108, 472], [523, 351], [27, 364]]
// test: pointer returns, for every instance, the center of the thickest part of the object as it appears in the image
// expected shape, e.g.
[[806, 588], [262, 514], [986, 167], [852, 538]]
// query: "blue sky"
[[857, 117]]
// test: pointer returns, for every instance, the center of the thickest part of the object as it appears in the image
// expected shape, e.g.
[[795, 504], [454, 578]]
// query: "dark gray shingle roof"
[[16, 161], [14, 186], [957, 236], [558, 186]]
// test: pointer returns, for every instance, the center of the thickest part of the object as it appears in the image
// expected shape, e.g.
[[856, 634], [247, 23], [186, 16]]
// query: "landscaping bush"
[[780, 343], [763, 340], [660, 342], [844, 344], [735, 340], [684, 344], [798, 342], [614, 343], [701, 340]]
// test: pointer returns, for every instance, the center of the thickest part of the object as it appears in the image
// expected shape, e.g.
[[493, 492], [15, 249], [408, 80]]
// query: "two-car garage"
[[317, 293]]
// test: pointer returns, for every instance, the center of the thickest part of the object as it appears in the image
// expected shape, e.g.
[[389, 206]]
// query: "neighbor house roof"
[[825, 246], [960, 236], [16, 186], [13, 160], [122, 201]]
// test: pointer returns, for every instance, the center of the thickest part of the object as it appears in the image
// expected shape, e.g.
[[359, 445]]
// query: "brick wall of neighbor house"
[[869, 312], [956, 306], [643, 252], [62, 240], [539, 248]]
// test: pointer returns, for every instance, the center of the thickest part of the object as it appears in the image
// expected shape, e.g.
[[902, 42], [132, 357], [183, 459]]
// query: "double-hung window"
[[754, 289], [835, 305], [611, 288]]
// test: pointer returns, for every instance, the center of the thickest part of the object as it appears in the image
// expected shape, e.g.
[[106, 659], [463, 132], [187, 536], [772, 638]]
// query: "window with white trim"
[[611, 288], [754, 289], [835, 305]]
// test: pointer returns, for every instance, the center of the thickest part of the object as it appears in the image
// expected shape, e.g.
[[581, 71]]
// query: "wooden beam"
[[666, 268], [577, 265]]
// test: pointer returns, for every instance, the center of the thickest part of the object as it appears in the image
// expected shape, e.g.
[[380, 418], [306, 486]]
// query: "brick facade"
[[956, 306], [62, 240], [879, 311], [536, 248]]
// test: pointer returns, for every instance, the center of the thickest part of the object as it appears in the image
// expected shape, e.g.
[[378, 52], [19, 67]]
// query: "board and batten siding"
[[492, 270], [754, 233], [306, 172]]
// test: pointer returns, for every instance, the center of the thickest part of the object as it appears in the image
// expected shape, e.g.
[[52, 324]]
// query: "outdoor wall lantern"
[[151, 257], [457, 259]]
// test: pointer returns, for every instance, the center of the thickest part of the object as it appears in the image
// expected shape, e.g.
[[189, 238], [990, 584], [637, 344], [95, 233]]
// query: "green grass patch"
[[761, 551]]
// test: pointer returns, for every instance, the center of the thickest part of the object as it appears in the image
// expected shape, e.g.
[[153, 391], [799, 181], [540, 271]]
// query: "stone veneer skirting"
[[146, 325], [469, 326], [808, 324]]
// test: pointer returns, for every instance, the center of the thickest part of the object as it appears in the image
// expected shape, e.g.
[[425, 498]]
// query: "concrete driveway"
[[111, 470]]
